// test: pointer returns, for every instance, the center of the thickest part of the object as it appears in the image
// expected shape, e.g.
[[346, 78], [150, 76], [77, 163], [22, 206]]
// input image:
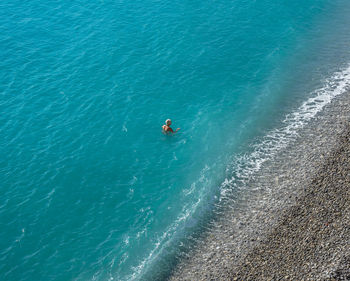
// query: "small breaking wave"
[[244, 166]]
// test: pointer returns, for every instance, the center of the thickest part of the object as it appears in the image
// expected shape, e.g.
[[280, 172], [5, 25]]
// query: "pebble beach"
[[253, 187], [294, 221]]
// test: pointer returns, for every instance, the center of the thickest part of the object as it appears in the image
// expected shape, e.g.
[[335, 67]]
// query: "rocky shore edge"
[[312, 239], [296, 224]]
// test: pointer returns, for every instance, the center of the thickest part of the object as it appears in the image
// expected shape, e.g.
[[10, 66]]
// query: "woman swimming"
[[167, 129]]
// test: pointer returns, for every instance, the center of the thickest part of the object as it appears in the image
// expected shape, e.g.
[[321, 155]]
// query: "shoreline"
[[273, 230], [313, 236]]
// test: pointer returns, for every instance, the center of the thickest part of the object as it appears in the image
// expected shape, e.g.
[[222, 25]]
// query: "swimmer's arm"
[[171, 130]]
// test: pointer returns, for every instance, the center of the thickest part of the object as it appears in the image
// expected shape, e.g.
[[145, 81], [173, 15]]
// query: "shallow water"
[[91, 189]]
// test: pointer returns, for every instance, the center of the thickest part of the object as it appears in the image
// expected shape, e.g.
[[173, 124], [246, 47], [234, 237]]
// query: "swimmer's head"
[[168, 122]]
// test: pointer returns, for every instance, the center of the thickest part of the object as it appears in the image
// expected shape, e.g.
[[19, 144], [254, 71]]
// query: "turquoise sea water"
[[90, 189]]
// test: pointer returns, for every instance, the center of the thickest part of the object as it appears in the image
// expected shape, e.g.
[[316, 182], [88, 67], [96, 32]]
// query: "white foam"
[[247, 164], [244, 166], [167, 237], [163, 241]]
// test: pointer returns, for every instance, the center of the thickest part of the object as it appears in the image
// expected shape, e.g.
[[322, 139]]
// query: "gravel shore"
[[294, 221], [312, 238]]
